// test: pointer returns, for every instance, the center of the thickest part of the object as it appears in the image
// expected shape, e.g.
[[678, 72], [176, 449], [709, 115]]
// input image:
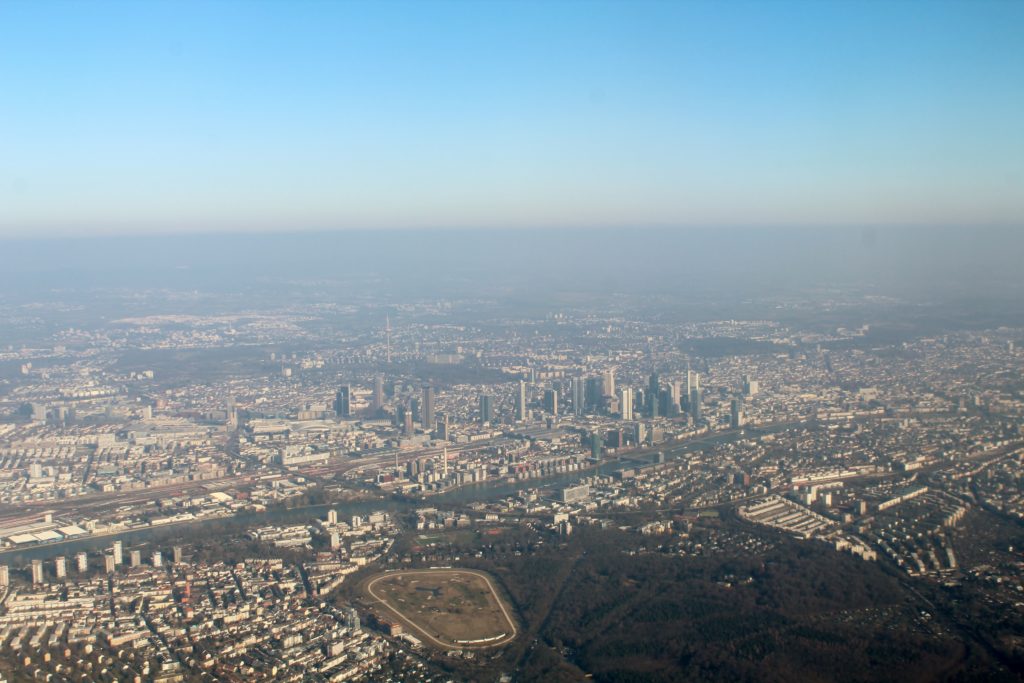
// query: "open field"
[[447, 608]]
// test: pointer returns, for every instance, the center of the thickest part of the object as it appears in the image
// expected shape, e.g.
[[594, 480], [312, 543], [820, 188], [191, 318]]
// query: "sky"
[[182, 117]]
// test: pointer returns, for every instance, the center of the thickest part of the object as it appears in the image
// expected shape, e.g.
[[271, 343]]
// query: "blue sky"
[[150, 117]]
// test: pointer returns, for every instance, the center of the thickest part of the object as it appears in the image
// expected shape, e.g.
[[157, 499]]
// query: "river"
[[483, 492]]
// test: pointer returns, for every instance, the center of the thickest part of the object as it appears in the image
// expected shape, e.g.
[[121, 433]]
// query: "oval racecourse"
[[446, 608]]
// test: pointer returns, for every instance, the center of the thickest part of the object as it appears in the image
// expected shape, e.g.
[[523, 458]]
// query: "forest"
[[593, 606]]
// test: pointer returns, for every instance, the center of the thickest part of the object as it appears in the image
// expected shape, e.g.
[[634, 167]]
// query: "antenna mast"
[[387, 332]]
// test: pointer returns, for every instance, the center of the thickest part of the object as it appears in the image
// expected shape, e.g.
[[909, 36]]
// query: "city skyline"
[[130, 118]]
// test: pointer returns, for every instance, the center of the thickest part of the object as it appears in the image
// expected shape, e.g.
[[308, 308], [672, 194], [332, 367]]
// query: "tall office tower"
[[158, 559], [414, 406], [176, 554], [673, 395], [695, 412], [521, 402], [60, 567], [653, 394], [639, 433], [378, 392], [108, 564], [750, 387], [408, 427], [427, 408], [332, 517], [387, 332], [608, 384], [579, 395], [486, 413], [626, 403], [343, 402], [5, 576], [593, 394], [692, 381], [118, 553], [665, 402], [82, 560], [37, 571], [551, 401], [135, 558], [441, 430], [735, 416], [596, 442]]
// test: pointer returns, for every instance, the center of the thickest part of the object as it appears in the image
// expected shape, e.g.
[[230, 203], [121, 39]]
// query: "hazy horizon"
[[916, 262]]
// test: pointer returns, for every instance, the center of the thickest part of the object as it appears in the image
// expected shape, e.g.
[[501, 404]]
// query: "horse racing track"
[[447, 608]]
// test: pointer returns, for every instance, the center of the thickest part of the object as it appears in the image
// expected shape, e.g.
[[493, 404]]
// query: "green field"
[[448, 608]]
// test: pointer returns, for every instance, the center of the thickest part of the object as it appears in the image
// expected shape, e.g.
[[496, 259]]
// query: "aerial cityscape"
[[511, 342], [342, 484]]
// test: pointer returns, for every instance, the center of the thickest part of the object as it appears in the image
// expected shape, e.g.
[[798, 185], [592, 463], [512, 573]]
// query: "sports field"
[[447, 608]]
